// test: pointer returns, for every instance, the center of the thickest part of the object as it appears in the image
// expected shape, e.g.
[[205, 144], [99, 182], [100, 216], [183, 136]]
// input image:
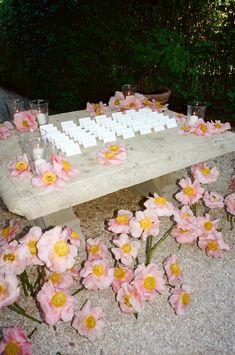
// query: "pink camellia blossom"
[[173, 269], [74, 272], [11, 259], [130, 103], [213, 200], [112, 155], [148, 281], [202, 128], [72, 236], [8, 125], [180, 117], [96, 249], [145, 223], [158, 106], [55, 251], [213, 244], [186, 129], [9, 290], [191, 191], [63, 280], [122, 274], [47, 178], [160, 205], [229, 203], [180, 299], [29, 246], [232, 183], [185, 214], [63, 168], [97, 275], [9, 232], [130, 299], [140, 97], [219, 127], [4, 132], [96, 109], [116, 101], [206, 225], [127, 250], [25, 121], [185, 233], [20, 166], [120, 224], [15, 342], [55, 304], [89, 321], [203, 173]]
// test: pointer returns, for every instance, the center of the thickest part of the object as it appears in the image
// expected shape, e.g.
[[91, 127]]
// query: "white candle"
[[192, 120], [41, 117], [37, 153], [39, 162]]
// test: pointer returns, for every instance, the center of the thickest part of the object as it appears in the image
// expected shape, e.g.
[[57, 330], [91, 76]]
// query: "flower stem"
[[149, 243], [137, 261], [19, 310], [78, 290], [194, 209], [33, 331], [136, 315], [23, 284], [163, 238], [231, 222]]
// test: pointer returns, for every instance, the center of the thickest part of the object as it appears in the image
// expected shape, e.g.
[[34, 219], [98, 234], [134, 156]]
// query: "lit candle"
[[37, 153], [39, 162], [41, 117], [192, 119]]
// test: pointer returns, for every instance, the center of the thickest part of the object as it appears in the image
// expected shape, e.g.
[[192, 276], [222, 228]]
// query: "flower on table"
[[229, 203], [213, 200], [113, 154], [95, 249], [126, 250], [160, 205], [12, 260], [232, 183], [25, 121], [120, 224], [15, 342], [96, 109], [148, 281], [4, 132], [180, 299], [9, 290], [9, 232], [122, 274], [219, 127], [158, 106], [185, 232], [191, 191], [47, 178], [29, 246], [63, 168], [173, 269], [56, 304], [55, 251], [203, 173], [185, 214], [72, 236], [89, 321], [213, 244], [186, 129], [60, 280], [145, 223], [202, 128], [116, 100], [181, 117], [206, 225], [131, 102], [130, 299], [19, 166], [97, 275]]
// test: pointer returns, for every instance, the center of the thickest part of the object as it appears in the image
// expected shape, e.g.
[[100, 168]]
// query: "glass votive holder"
[[39, 151], [23, 137], [196, 110], [14, 106], [128, 89], [40, 107]]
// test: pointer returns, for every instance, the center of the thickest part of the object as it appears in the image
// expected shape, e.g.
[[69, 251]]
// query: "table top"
[[148, 156]]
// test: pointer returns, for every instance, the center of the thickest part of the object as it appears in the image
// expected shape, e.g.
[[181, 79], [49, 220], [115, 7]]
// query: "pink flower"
[[72, 236], [116, 101], [29, 246], [213, 200], [4, 133], [180, 117], [191, 191], [144, 224], [96, 109], [131, 102], [213, 244], [185, 214], [219, 127], [96, 249], [63, 168], [9, 290], [120, 224], [206, 225], [180, 299], [202, 128], [97, 275], [204, 173], [55, 252], [149, 280], [232, 183], [55, 304], [127, 250], [160, 205], [130, 299], [140, 97], [47, 178], [185, 232], [9, 232], [19, 166], [63, 280], [25, 121], [186, 129], [158, 106], [114, 154], [15, 342], [121, 275], [8, 125], [74, 272], [229, 203], [173, 269], [89, 321], [11, 259]]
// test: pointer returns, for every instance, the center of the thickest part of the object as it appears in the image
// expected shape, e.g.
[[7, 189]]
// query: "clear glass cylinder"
[[128, 89], [14, 106], [23, 137], [39, 151], [196, 108], [40, 107]]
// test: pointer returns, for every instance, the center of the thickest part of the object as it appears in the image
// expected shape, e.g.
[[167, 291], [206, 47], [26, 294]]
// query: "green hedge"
[[71, 52]]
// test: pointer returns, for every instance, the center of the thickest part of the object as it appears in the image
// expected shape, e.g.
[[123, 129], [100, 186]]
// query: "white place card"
[[111, 137], [89, 141], [130, 111], [116, 114], [127, 133], [171, 123], [83, 121], [145, 129], [158, 127]]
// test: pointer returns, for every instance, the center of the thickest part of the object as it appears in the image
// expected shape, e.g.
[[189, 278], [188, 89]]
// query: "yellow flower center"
[[21, 166], [59, 299], [9, 258], [66, 165], [12, 348], [119, 273], [189, 190], [203, 128], [74, 235], [126, 248], [117, 102], [25, 123], [186, 215], [110, 155], [208, 226], [218, 125], [98, 270], [55, 277], [145, 223], [122, 219], [185, 298], [158, 104], [175, 269], [94, 249], [185, 127], [6, 232], [32, 246], [90, 322], [150, 282], [183, 231], [212, 245], [114, 148], [2, 289], [147, 102], [160, 200], [205, 170], [49, 178], [127, 301], [132, 104], [61, 248]]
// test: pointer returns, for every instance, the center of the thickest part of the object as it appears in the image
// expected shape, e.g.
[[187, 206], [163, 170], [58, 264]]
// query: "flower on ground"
[[173, 269], [89, 321], [160, 205], [186, 129], [148, 281], [63, 280], [19, 166], [97, 275], [29, 246], [131, 102], [122, 274], [63, 168], [180, 299], [232, 183], [11, 259], [229, 203], [145, 223], [213, 244], [126, 250], [96, 249], [191, 191], [202, 128], [112, 155], [74, 272], [185, 214], [55, 304], [47, 178], [116, 100], [130, 299], [120, 224], [203, 173], [96, 109], [73, 237], [55, 251], [15, 342], [4, 132], [25, 121], [185, 232], [206, 225], [213, 200], [9, 232], [218, 126], [9, 290]]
